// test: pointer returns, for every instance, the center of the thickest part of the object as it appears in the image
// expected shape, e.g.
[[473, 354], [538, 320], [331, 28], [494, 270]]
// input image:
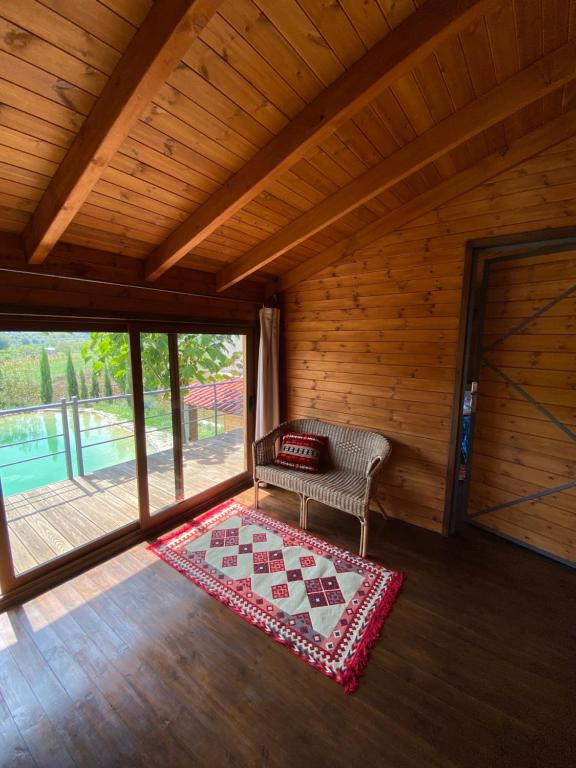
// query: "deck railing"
[[78, 446]]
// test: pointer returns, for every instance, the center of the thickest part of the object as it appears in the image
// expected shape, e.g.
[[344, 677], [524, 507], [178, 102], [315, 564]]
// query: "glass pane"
[[67, 468], [211, 370], [158, 420]]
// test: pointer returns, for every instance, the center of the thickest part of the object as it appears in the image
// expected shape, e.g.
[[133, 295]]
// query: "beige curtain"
[[268, 394]]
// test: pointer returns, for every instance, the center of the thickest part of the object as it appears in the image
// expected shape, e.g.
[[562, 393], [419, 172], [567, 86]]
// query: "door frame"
[[15, 586], [506, 247]]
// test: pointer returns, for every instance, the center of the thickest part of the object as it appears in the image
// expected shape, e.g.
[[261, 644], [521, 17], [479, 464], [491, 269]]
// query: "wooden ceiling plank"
[[247, 61], [218, 72], [398, 54], [22, 176], [547, 75], [260, 33], [368, 20], [27, 161], [334, 25], [530, 47], [555, 29], [155, 50], [96, 19], [60, 32], [476, 45], [134, 11], [16, 97], [33, 125], [296, 26], [533, 143], [24, 45]]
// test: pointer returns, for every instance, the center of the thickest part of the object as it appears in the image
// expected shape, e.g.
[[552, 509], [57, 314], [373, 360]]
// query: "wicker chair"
[[355, 458]]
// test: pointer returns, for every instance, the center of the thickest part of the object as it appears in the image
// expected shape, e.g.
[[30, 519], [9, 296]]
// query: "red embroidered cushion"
[[301, 451]]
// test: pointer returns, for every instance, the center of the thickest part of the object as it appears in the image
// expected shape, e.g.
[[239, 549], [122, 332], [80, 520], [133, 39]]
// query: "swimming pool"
[[31, 444]]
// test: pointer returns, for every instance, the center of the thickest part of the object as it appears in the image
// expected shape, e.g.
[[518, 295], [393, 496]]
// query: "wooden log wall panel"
[[25, 293], [99, 266], [88, 282], [371, 341]]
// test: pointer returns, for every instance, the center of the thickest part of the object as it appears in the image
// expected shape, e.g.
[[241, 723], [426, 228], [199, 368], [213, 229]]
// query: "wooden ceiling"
[[239, 138]]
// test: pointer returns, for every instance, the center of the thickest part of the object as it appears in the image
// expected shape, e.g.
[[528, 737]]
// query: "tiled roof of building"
[[227, 396]]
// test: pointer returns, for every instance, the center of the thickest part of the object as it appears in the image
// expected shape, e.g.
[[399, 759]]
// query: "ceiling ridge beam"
[[539, 79], [396, 55], [508, 157], [155, 50]]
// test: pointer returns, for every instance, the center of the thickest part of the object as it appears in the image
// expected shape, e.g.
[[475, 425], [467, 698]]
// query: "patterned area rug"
[[324, 603]]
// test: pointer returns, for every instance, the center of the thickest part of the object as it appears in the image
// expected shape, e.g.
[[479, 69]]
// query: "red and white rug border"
[[349, 679]]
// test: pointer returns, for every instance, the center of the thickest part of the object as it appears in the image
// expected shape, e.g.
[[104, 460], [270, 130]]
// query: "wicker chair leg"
[[256, 489], [364, 536], [304, 521]]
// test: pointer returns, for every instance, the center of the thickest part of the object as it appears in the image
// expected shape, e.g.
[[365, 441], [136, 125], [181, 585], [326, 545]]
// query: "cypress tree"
[[107, 383], [71, 377], [95, 385], [83, 387], [46, 389]]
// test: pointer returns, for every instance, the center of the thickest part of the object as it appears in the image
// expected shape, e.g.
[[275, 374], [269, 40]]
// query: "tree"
[[46, 388], [71, 378], [107, 383], [202, 357], [83, 387], [94, 385]]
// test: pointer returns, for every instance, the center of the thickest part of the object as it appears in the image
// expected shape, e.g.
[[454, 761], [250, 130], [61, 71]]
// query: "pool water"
[[37, 434]]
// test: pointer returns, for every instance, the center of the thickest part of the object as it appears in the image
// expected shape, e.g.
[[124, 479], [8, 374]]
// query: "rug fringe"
[[351, 677]]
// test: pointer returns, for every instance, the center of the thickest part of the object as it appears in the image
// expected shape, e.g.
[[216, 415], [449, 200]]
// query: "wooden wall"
[[372, 341], [68, 284]]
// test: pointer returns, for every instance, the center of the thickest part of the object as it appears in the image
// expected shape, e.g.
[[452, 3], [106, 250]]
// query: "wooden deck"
[[60, 517]]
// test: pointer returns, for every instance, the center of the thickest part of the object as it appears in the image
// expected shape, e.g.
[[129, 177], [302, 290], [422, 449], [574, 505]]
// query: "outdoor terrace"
[[59, 517]]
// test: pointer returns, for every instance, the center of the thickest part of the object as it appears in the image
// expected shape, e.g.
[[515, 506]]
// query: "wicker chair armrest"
[[373, 468], [376, 463], [265, 447]]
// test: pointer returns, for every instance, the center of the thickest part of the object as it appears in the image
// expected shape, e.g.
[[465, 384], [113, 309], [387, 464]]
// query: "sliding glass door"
[[212, 394], [159, 418], [67, 453], [105, 430], [194, 412]]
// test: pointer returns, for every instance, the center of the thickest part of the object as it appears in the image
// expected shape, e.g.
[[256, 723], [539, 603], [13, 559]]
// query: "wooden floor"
[[59, 517], [130, 664]]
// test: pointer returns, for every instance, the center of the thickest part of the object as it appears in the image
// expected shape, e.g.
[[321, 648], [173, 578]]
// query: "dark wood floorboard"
[[130, 664]]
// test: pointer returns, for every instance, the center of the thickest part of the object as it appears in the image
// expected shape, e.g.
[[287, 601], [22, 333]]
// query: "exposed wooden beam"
[[397, 54], [113, 269], [155, 50], [543, 77], [532, 144]]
